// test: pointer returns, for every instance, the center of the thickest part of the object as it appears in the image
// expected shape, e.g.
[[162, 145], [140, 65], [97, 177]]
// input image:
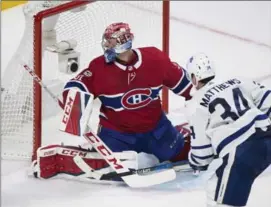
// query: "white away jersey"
[[225, 114]]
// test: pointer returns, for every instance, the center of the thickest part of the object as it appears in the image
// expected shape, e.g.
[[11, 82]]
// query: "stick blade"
[[143, 181]]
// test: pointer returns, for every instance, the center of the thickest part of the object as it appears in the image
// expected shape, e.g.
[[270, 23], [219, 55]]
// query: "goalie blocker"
[[76, 112]]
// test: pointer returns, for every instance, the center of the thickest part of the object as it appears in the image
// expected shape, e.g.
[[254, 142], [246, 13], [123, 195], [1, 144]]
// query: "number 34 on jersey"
[[223, 114]]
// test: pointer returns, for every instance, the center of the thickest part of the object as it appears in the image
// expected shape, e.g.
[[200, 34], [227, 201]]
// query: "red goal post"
[[37, 61]]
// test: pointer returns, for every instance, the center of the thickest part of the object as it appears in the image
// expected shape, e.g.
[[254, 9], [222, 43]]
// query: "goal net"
[[28, 114]]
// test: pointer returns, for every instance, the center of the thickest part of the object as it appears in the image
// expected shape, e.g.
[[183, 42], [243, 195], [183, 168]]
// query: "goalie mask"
[[117, 38]]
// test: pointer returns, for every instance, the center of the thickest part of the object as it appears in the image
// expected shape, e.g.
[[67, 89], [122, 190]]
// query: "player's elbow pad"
[[76, 112]]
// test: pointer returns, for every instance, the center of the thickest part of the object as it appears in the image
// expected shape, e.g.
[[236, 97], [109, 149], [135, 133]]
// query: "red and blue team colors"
[[131, 115]]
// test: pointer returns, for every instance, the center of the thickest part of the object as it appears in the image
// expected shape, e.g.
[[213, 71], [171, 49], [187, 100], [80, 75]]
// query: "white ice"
[[251, 59]]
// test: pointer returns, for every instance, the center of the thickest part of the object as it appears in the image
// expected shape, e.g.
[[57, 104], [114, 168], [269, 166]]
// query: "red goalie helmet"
[[119, 31]]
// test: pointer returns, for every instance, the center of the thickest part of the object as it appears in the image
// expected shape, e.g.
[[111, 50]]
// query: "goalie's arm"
[[176, 79], [84, 82], [77, 104]]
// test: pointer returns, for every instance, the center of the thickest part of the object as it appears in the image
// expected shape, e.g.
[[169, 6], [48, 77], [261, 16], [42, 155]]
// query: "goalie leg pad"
[[56, 159]]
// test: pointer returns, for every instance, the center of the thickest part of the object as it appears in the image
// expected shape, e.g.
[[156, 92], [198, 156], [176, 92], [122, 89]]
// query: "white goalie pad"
[[76, 112]]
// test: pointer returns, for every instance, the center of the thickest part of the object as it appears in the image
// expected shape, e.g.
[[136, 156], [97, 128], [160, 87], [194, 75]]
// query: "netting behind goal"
[[25, 108]]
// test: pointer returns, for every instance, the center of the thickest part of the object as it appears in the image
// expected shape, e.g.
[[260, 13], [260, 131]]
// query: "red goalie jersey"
[[130, 93]]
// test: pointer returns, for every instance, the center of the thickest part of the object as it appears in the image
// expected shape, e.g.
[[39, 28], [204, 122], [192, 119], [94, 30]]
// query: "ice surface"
[[20, 191], [232, 56]]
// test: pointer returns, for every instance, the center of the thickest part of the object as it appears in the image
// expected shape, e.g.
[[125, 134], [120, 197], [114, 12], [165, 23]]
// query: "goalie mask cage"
[[27, 112]]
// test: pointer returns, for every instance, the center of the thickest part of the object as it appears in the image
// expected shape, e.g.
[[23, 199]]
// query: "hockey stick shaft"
[[128, 176], [39, 81], [180, 166], [132, 179]]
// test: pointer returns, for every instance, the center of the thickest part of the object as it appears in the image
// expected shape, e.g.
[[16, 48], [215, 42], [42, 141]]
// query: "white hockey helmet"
[[200, 66]]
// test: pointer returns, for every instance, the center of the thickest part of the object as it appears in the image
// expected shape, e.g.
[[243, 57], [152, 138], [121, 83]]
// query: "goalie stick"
[[130, 178], [180, 166]]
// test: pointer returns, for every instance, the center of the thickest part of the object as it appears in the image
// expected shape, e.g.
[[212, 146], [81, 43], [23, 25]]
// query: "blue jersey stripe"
[[269, 112], [219, 175], [194, 160], [155, 92], [115, 102], [111, 102], [201, 147], [75, 84], [182, 85], [202, 157], [263, 98], [86, 99], [240, 132]]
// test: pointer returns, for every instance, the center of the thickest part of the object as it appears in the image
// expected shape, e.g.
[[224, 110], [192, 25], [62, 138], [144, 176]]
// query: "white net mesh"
[[86, 27], [17, 102]]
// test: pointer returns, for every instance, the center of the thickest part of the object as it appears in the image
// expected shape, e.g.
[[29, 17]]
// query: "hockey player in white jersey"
[[230, 121]]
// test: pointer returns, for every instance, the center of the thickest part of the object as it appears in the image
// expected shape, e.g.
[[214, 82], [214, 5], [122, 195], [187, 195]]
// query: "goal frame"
[[37, 60]]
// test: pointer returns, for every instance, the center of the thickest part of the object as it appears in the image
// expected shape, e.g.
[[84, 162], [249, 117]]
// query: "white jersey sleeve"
[[260, 94], [201, 153], [223, 114]]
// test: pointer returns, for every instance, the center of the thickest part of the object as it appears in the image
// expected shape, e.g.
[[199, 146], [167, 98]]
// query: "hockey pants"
[[231, 184]]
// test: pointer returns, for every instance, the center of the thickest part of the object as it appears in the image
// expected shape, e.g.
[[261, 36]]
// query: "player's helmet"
[[121, 32], [200, 66]]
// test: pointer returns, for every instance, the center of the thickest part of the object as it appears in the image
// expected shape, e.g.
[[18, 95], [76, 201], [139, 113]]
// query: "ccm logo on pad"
[[67, 110], [73, 153]]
